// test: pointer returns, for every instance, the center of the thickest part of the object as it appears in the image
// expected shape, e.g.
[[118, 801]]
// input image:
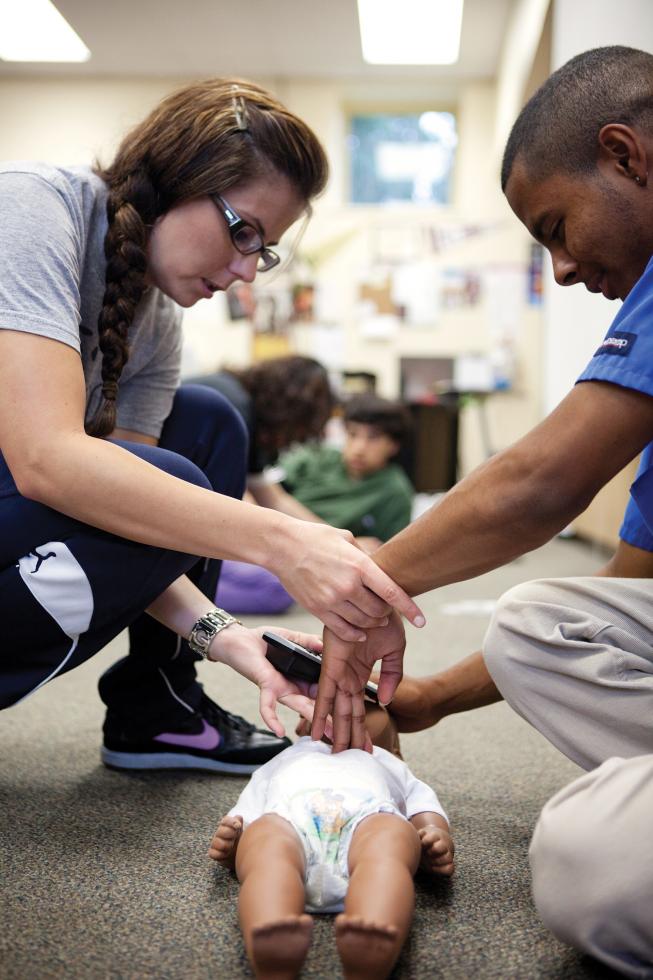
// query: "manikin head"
[[576, 169]]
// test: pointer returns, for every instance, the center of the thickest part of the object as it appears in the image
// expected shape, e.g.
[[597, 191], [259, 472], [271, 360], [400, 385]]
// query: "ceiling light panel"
[[410, 32], [34, 30]]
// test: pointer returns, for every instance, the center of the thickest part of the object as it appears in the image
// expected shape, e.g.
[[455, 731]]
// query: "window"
[[407, 157]]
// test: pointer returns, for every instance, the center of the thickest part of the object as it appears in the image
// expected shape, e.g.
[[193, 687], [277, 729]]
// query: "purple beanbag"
[[249, 589]]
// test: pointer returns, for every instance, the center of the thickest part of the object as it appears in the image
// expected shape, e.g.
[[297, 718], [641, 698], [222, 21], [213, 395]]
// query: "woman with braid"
[[119, 490]]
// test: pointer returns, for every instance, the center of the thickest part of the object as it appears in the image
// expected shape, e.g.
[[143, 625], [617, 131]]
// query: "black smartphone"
[[296, 661]]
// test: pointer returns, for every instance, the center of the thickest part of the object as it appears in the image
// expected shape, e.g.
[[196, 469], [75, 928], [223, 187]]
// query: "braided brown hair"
[[202, 139]]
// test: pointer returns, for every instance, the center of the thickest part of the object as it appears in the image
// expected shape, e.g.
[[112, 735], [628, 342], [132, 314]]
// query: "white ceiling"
[[260, 38]]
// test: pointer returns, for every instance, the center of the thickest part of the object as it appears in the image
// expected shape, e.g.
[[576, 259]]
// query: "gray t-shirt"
[[52, 227]]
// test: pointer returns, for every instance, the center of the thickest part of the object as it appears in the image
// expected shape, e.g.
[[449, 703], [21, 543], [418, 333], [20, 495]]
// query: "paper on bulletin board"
[[323, 341], [379, 326], [505, 298], [417, 290], [473, 372], [396, 242]]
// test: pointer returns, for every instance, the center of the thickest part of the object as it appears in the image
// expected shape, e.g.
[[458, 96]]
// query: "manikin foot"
[[278, 949], [366, 949]]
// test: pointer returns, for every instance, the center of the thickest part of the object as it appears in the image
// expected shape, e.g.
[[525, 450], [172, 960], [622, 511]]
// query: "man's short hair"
[[557, 130], [390, 417]]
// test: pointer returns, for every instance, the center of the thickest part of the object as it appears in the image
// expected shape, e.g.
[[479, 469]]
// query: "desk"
[[431, 456]]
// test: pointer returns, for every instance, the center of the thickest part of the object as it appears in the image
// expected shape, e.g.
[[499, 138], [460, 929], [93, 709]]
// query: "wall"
[[65, 120], [575, 320], [62, 120], [477, 198]]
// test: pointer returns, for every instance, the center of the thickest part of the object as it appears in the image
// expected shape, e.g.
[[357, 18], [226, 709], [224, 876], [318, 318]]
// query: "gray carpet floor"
[[104, 875]]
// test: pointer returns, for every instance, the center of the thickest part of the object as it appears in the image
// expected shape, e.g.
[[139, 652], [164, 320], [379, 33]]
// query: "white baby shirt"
[[324, 797]]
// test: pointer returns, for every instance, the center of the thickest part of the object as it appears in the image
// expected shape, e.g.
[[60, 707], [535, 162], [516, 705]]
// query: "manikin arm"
[[421, 821], [249, 806], [436, 843]]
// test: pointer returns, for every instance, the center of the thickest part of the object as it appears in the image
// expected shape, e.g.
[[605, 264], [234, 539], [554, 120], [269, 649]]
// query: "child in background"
[[358, 487], [318, 832]]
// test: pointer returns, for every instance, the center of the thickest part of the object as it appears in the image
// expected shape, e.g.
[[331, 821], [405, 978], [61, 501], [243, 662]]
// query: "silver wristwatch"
[[206, 628]]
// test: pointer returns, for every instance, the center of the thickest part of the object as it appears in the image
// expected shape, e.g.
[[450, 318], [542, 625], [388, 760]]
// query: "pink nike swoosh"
[[207, 739]]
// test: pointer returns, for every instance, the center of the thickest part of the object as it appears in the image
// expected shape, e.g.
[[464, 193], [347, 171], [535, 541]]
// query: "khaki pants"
[[575, 658]]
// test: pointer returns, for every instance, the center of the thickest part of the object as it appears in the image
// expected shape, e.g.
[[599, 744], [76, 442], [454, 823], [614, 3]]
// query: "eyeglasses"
[[245, 237]]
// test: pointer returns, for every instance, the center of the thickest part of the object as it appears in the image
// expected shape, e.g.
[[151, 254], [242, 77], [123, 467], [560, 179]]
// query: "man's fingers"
[[328, 729], [390, 677], [359, 737], [304, 728], [342, 720], [387, 688], [383, 586], [324, 703]]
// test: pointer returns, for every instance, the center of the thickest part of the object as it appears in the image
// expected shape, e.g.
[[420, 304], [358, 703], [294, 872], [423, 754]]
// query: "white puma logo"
[[62, 589], [41, 559]]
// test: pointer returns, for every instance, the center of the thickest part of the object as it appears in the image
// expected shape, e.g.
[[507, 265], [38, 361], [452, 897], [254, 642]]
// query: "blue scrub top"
[[625, 357]]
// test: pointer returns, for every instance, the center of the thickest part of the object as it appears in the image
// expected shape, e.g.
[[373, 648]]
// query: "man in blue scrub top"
[[573, 656]]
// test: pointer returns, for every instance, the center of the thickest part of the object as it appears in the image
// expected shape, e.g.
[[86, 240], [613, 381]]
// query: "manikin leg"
[[383, 857], [270, 867]]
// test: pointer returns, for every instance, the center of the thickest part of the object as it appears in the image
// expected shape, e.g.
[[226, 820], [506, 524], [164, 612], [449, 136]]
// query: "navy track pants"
[[66, 589]]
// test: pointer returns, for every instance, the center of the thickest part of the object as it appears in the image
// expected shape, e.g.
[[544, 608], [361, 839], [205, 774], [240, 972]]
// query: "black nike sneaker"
[[210, 739]]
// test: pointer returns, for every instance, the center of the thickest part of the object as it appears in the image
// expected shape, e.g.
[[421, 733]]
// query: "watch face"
[[203, 638]]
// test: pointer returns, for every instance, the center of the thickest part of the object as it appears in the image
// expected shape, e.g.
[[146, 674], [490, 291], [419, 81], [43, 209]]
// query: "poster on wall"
[[241, 301], [505, 291], [417, 291], [303, 303]]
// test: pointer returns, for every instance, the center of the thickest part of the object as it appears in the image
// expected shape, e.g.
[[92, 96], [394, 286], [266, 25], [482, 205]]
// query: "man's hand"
[[346, 668]]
